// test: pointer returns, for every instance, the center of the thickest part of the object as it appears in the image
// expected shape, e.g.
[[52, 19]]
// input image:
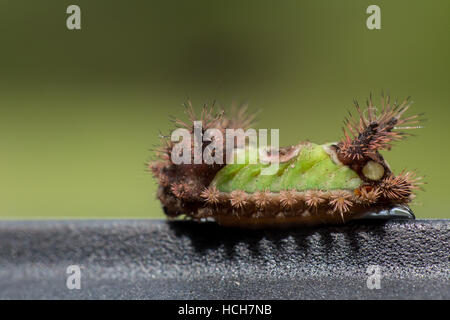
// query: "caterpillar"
[[331, 183]]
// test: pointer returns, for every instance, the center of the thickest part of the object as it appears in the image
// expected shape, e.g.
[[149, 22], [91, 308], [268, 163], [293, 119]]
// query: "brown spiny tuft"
[[211, 195], [367, 194], [184, 190], [341, 201], [208, 117], [370, 131], [240, 117], [399, 188], [313, 198], [262, 199], [288, 199], [238, 199], [186, 182]]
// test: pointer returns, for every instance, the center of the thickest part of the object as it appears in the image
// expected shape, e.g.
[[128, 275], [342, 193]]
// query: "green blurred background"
[[79, 110]]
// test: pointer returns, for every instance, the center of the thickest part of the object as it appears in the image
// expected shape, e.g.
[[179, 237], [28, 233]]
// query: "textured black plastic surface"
[[151, 259]]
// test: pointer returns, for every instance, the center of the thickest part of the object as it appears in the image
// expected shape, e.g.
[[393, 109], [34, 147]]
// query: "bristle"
[[211, 195], [185, 190], [178, 189], [400, 187], [187, 182], [238, 199], [240, 117], [369, 133], [262, 199], [155, 167], [368, 196], [341, 202], [210, 119], [313, 198], [288, 199]]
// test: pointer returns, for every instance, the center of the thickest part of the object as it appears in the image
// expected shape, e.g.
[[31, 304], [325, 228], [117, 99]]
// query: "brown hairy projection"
[[181, 186], [189, 189]]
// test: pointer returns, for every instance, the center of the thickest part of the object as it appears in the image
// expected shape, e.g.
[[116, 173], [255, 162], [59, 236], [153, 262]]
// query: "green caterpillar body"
[[311, 169]]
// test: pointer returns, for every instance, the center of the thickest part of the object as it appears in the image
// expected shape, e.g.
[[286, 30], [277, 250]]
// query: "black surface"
[[151, 259]]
